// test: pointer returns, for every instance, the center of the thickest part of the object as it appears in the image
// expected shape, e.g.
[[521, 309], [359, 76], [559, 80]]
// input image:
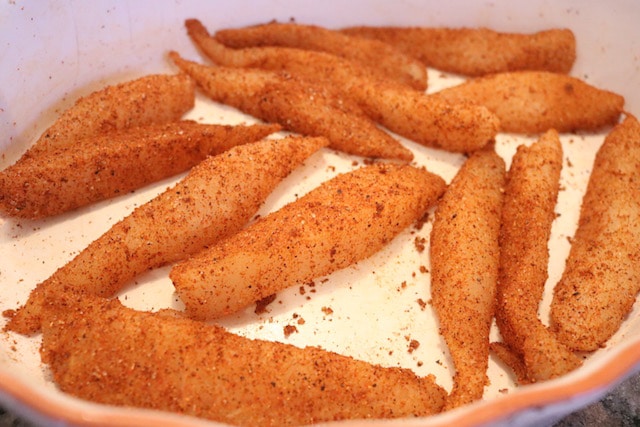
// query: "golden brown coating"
[[303, 107], [382, 58], [536, 101], [344, 220], [464, 268], [531, 193], [512, 361], [462, 127], [101, 351], [479, 51], [602, 273], [214, 200], [112, 164], [156, 98]]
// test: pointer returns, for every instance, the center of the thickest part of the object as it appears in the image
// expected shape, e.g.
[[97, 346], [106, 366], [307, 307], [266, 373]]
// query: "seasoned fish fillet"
[[536, 101], [464, 269], [102, 351], [528, 212], [344, 220], [479, 51], [299, 106], [114, 163], [601, 279], [386, 60], [156, 98]]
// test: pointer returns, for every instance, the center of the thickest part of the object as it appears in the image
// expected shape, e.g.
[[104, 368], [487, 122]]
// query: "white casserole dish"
[[54, 52]]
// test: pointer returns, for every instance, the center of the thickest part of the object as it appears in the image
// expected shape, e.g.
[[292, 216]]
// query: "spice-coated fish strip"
[[536, 101], [156, 98], [101, 351], [464, 269], [386, 60], [601, 279], [479, 51], [113, 164], [459, 126], [344, 220], [302, 107], [216, 199], [531, 193]]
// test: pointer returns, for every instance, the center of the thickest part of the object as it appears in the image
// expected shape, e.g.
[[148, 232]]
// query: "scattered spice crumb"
[[422, 304], [423, 269], [422, 221], [420, 243], [327, 310], [289, 329], [413, 345], [261, 305]]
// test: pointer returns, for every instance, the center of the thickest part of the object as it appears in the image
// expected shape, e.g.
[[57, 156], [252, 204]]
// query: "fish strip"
[[601, 279], [382, 58], [101, 351], [155, 98], [536, 101], [464, 269], [479, 51], [531, 193], [112, 164], [302, 107], [344, 220]]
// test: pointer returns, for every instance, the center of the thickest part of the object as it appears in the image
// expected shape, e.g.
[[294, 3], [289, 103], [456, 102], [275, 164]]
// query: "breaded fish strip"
[[386, 60], [479, 51], [156, 98], [113, 164], [301, 107], [512, 360], [602, 274], [535, 101], [462, 127], [531, 194], [344, 220], [464, 269], [104, 352], [216, 199]]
